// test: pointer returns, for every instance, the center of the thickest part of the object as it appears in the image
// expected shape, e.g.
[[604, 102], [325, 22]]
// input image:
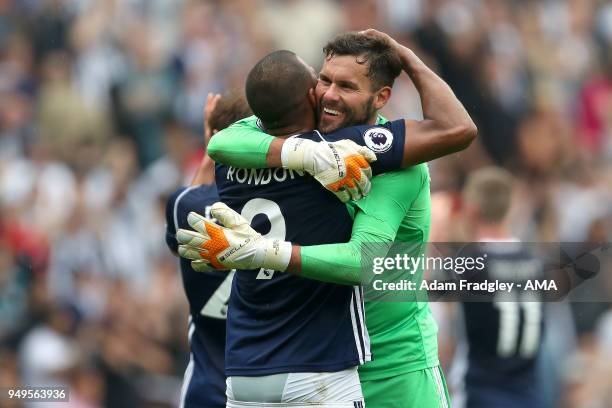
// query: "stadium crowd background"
[[100, 119]]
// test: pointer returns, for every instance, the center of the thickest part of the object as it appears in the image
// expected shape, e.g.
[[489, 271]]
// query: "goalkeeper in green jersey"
[[405, 371]]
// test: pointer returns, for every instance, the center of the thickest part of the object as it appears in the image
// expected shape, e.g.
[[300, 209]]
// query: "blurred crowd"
[[100, 120]]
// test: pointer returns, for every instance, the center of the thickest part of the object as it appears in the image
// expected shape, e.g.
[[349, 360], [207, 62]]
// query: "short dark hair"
[[384, 64], [276, 86], [231, 107]]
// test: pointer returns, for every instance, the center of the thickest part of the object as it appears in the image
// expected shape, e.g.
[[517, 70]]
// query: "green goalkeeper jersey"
[[403, 334]]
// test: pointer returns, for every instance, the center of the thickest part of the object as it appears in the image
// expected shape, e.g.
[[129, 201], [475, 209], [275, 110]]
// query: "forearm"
[[333, 263], [375, 227], [242, 147], [273, 158], [246, 147], [438, 101], [205, 173], [447, 128]]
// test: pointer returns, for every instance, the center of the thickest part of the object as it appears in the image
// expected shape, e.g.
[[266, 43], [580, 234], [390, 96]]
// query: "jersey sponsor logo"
[[378, 139], [256, 177]]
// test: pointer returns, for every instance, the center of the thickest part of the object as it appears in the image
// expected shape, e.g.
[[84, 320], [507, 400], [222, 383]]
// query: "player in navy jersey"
[[293, 340], [503, 335], [283, 330], [207, 293]]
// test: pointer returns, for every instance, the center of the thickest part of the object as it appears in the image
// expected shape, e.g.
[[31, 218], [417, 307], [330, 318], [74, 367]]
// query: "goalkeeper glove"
[[233, 245], [341, 167]]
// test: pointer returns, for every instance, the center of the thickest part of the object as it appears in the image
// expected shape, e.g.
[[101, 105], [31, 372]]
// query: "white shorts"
[[338, 389]]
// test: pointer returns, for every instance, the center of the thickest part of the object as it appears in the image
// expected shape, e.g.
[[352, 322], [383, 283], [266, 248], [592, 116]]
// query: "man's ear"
[[382, 97], [312, 98]]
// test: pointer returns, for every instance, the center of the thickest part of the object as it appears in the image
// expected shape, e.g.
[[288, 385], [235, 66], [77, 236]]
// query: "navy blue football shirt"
[[208, 294], [280, 323], [504, 336]]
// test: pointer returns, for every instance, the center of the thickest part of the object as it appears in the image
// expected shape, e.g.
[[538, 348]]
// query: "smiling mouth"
[[331, 112]]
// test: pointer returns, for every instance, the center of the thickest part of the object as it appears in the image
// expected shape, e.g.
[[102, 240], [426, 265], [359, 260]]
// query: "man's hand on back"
[[341, 167]]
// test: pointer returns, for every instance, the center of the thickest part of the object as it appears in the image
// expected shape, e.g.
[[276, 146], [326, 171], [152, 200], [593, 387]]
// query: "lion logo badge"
[[378, 139]]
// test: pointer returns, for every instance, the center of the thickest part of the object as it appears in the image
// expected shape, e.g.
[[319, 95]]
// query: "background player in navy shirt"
[[208, 292], [497, 362]]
